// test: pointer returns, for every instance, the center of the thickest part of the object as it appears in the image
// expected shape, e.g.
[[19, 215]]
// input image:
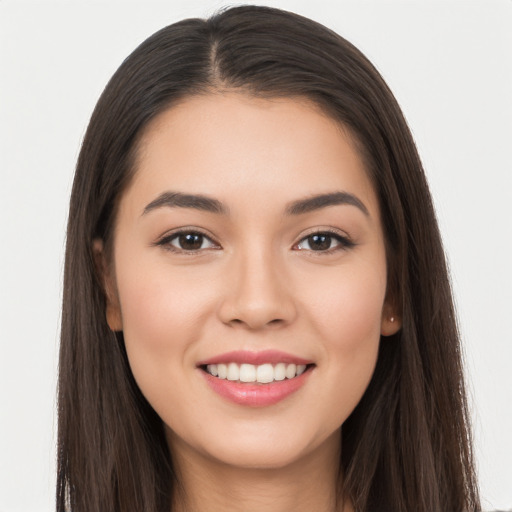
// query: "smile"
[[256, 379], [262, 374]]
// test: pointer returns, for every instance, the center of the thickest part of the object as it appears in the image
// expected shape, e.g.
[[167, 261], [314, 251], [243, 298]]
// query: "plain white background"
[[448, 62]]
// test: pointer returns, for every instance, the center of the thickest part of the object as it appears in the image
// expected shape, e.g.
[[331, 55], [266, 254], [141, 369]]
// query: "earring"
[[392, 319]]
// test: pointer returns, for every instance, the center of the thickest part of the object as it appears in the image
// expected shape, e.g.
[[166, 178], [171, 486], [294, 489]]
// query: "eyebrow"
[[180, 200], [310, 204], [209, 204]]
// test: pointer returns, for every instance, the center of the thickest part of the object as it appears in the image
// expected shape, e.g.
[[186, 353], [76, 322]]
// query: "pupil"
[[191, 241], [319, 242]]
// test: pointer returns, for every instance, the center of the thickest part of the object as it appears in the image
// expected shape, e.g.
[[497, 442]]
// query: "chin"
[[264, 458], [260, 448]]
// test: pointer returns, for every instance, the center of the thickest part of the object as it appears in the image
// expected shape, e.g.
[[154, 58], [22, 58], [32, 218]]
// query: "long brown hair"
[[406, 447]]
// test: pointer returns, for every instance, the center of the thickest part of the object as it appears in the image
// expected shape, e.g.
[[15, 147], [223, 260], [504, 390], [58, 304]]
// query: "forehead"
[[232, 145]]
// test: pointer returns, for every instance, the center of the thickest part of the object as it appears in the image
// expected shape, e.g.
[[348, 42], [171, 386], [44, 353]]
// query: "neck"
[[309, 483]]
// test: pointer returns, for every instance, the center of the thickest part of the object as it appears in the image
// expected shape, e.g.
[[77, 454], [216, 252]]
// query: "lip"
[[256, 395], [255, 358]]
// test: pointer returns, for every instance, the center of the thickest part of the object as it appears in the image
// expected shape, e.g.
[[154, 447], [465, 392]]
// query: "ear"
[[391, 322], [113, 309]]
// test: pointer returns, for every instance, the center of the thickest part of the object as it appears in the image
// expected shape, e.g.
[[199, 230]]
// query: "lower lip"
[[256, 395]]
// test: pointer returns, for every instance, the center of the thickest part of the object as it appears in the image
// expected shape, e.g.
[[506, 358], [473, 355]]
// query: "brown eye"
[[319, 242], [187, 241], [324, 242], [190, 241]]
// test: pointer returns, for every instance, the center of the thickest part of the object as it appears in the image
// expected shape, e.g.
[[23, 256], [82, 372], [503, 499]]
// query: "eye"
[[187, 241], [324, 241]]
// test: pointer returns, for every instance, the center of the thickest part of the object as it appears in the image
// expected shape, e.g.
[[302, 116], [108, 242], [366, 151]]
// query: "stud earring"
[[392, 319]]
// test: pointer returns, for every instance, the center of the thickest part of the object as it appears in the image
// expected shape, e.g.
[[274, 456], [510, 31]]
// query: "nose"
[[258, 294]]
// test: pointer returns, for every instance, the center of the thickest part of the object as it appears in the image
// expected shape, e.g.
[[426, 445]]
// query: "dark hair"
[[406, 446]]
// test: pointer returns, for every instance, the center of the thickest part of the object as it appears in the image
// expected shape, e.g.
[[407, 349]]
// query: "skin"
[[257, 285]]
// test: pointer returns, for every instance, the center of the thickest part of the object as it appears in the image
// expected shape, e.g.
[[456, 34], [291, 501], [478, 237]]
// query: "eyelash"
[[343, 242], [166, 241]]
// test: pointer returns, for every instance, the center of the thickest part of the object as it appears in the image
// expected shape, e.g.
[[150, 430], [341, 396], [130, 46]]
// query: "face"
[[249, 278]]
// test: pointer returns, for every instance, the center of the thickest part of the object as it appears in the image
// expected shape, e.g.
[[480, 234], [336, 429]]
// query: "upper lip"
[[255, 358]]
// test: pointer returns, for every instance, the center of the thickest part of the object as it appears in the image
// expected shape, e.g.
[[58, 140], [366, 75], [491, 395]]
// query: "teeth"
[[212, 369], [247, 373], [263, 374], [222, 370], [291, 371], [280, 371], [233, 371]]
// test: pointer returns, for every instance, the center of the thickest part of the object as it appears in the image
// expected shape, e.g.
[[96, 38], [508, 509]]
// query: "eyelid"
[[165, 239], [344, 240]]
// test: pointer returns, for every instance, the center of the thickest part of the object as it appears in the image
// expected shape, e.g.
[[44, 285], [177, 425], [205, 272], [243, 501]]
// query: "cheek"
[[347, 319], [159, 302], [348, 307], [163, 314]]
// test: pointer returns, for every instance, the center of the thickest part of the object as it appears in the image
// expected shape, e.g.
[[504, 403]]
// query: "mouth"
[[260, 374], [256, 379]]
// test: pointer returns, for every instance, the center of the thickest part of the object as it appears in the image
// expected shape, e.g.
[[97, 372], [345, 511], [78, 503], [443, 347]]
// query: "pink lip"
[[256, 395], [255, 358]]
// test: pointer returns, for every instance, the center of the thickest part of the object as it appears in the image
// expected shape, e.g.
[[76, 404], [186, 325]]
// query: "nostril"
[[275, 321]]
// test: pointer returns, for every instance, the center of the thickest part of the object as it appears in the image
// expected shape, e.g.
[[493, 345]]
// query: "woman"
[[257, 313]]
